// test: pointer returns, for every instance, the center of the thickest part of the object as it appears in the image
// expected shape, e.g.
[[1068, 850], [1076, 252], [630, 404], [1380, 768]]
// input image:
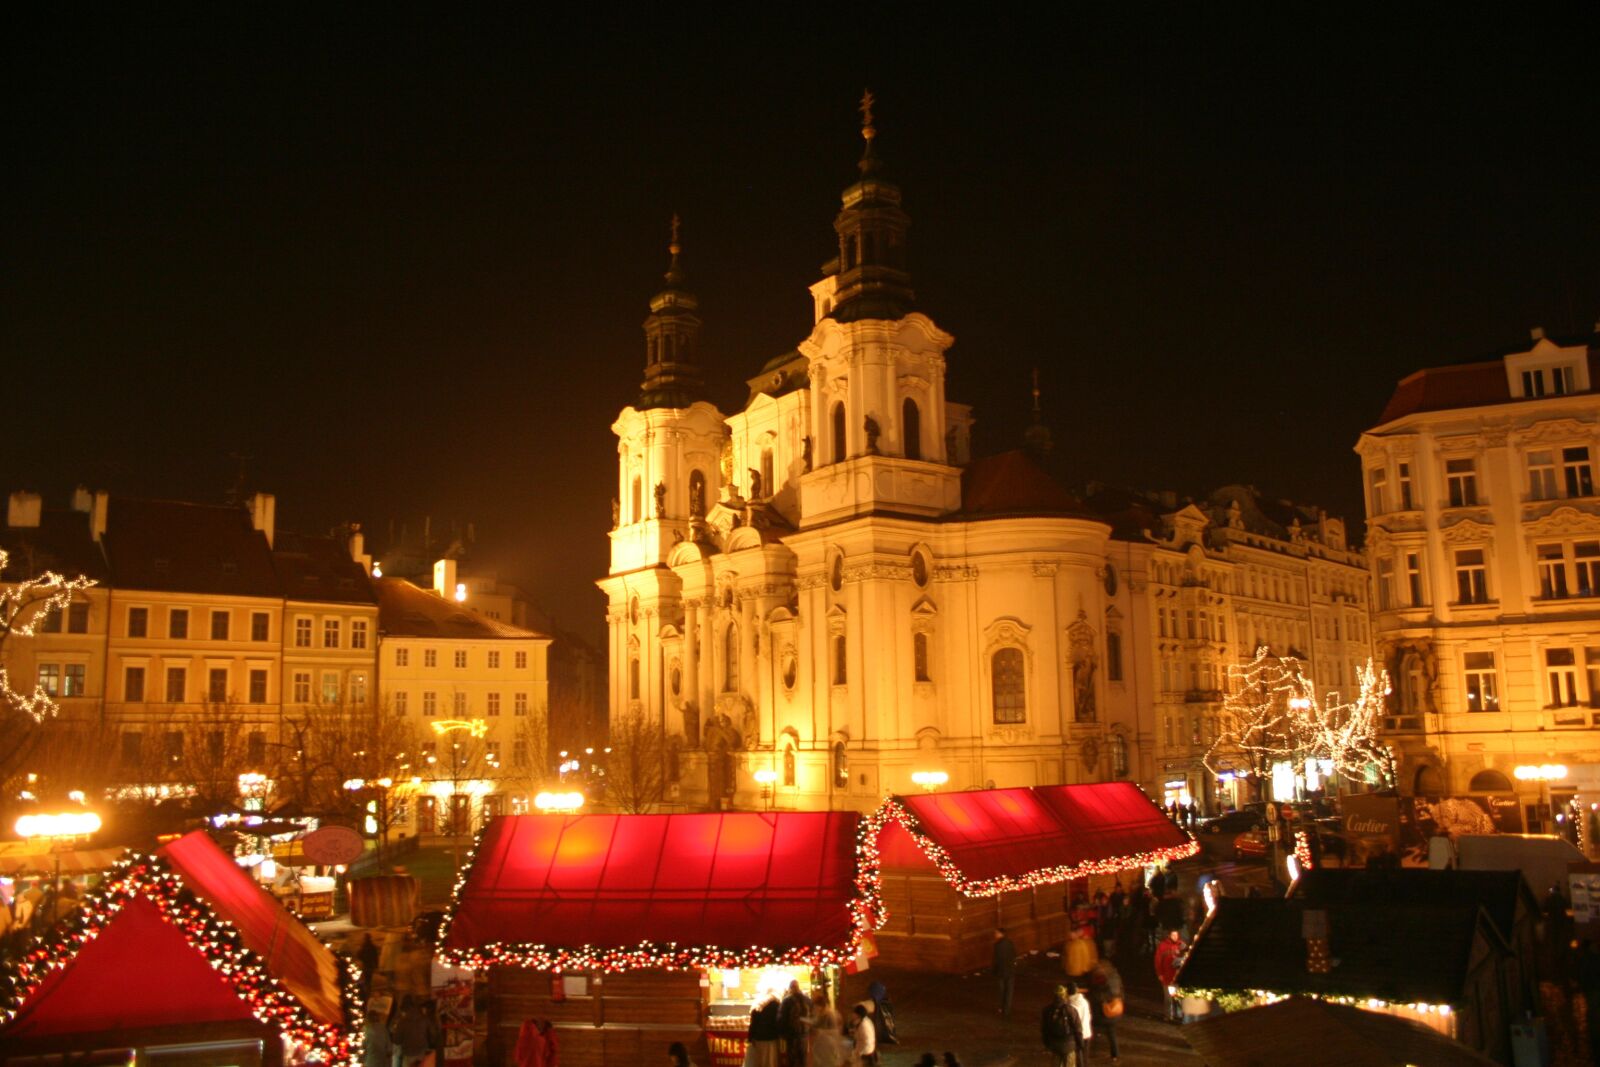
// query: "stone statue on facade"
[[805, 452], [873, 433], [661, 500], [616, 513]]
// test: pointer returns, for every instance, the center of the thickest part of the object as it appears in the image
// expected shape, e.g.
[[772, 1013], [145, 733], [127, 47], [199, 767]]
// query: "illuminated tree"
[[1271, 715]]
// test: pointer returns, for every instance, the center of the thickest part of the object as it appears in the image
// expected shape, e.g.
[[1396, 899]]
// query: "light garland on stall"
[[1265, 997], [218, 942], [866, 913], [892, 810]]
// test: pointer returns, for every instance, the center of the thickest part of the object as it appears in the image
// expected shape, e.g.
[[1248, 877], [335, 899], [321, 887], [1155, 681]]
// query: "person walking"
[[1060, 1030], [1005, 969], [794, 1022], [828, 1046], [678, 1055], [414, 1031], [765, 1032], [377, 1050], [1105, 997], [1080, 1007], [367, 957], [883, 1027], [866, 1036], [1169, 957]]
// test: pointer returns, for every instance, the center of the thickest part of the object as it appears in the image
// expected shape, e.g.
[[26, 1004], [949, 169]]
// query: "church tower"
[[884, 440], [670, 445]]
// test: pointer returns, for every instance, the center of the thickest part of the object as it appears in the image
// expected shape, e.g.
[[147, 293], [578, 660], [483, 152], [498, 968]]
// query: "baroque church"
[[825, 586]]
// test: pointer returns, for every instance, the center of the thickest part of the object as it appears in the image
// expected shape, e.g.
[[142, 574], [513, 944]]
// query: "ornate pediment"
[[1565, 521], [1554, 432], [1468, 532], [1378, 540]]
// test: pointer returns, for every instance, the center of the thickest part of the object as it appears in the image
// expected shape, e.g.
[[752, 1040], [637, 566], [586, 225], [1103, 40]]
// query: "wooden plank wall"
[[628, 1018], [933, 926]]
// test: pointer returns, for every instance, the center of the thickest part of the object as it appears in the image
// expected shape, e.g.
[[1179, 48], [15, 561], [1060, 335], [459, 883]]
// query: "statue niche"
[[1080, 644], [721, 742]]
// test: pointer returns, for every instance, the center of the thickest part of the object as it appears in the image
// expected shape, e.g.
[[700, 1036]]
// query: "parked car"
[[1232, 822], [1252, 844]]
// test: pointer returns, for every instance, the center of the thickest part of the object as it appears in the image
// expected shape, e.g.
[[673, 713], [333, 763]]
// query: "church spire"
[[872, 279], [672, 378], [1037, 436]]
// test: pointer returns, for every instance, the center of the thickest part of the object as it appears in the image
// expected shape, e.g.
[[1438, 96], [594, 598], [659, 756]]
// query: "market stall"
[[958, 866], [179, 950], [621, 934]]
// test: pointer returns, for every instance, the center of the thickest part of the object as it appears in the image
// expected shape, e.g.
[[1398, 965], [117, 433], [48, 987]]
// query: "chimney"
[[444, 578], [263, 514], [1538, 333], [23, 509], [358, 547], [82, 500], [98, 507]]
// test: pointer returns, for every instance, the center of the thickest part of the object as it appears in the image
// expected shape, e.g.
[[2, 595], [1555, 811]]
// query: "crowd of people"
[[33, 907]]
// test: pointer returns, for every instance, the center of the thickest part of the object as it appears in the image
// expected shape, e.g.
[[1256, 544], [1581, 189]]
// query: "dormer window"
[[1533, 383], [1561, 381]]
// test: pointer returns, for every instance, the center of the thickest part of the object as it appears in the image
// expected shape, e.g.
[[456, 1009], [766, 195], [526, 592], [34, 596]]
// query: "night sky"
[[401, 261]]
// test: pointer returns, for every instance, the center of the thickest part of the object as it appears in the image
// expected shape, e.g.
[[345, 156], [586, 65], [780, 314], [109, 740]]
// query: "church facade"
[[827, 587]]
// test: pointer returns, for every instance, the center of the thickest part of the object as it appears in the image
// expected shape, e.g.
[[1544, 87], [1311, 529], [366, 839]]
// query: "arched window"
[[1113, 657], [633, 678], [841, 765], [841, 674], [636, 501], [730, 658], [1489, 782], [919, 656], [697, 495], [1010, 686], [1119, 756], [911, 426], [767, 486], [839, 455], [788, 765]]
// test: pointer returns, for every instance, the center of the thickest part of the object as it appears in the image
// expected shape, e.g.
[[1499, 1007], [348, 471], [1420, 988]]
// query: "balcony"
[[1402, 724], [1203, 696]]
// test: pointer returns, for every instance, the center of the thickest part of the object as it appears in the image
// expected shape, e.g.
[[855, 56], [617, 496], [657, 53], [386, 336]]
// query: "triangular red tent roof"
[[142, 953], [559, 892], [988, 841]]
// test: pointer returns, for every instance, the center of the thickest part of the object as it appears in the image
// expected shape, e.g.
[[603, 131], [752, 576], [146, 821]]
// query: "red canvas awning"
[[140, 954], [991, 840], [561, 892]]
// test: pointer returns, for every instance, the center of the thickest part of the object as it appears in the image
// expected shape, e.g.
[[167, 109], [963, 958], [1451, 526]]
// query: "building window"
[[50, 678], [330, 633], [1377, 490], [138, 622], [697, 495], [402, 657], [1533, 383], [178, 624], [1405, 488], [78, 618], [836, 574], [458, 704], [402, 701], [767, 486], [430, 657], [841, 660], [1575, 471], [1114, 657], [1009, 685], [330, 687], [519, 752], [260, 626], [133, 684], [1205, 625], [174, 746], [491, 750], [1586, 561], [1413, 584], [730, 658], [1461, 478], [494, 661], [74, 680], [176, 679], [911, 421], [1119, 756], [1552, 571], [520, 661], [837, 420], [841, 765], [1472, 581], [519, 704], [358, 688], [358, 633], [633, 677], [430, 703], [220, 625], [493, 705], [636, 501], [919, 656], [132, 749], [1541, 476], [302, 633], [217, 685], [48, 621], [461, 659], [1385, 584], [1562, 671], [255, 752], [302, 687]]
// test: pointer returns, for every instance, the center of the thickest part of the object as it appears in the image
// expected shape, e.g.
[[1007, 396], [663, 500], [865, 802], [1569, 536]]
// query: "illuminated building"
[[1484, 541]]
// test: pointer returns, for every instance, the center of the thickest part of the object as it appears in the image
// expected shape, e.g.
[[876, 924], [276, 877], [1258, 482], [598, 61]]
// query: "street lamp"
[[766, 776], [58, 829], [930, 780], [558, 803]]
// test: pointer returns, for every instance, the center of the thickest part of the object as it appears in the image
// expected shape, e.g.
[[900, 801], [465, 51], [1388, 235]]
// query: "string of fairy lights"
[[25, 605], [217, 941]]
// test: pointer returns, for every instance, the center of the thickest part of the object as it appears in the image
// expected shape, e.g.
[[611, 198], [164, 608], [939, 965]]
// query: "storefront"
[[621, 934], [957, 866], [179, 957]]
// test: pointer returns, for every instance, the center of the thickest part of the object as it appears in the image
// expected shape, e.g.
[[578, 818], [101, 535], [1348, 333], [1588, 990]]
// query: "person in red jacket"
[[536, 1045], [1169, 957]]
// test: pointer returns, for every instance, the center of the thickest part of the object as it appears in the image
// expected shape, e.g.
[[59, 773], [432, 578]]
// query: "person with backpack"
[[1061, 1031]]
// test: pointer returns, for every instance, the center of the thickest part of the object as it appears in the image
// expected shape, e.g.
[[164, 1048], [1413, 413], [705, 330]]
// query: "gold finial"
[[1036, 392], [674, 247], [867, 100]]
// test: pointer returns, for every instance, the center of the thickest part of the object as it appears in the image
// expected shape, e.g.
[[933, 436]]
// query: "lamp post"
[[930, 780], [58, 829], [558, 803], [766, 776]]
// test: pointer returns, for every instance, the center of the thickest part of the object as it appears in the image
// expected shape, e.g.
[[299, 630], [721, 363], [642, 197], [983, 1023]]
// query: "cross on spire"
[[867, 100], [674, 247]]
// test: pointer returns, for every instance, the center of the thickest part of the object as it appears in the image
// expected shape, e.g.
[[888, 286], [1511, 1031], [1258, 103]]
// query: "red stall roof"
[[989, 841], [137, 924], [558, 892]]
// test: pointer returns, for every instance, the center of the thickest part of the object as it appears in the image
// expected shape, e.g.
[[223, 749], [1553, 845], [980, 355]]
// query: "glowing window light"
[[461, 592], [1544, 772], [766, 776]]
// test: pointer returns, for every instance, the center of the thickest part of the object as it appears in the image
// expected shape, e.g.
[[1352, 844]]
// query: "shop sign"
[[332, 845]]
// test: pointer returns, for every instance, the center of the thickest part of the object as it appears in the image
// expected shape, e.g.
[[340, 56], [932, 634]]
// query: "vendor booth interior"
[[178, 957]]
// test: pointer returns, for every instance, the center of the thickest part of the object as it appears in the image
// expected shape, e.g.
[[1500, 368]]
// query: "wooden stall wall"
[[628, 1018], [933, 926]]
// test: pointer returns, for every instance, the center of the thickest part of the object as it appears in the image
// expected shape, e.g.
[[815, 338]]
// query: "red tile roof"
[[407, 610], [548, 891], [1012, 484], [1464, 385], [999, 839]]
